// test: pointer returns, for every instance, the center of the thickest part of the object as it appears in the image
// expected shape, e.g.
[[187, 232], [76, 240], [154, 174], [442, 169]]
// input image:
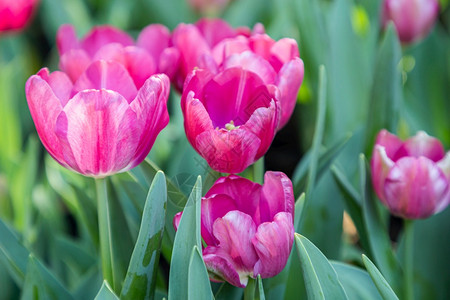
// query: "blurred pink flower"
[[248, 228], [15, 14], [208, 7], [102, 124], [412, 178], [196, 43], [230, 118], [413, 19], [151, 54]]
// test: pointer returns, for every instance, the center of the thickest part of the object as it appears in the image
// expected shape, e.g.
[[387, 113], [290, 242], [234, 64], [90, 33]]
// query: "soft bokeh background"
[[372, 83]]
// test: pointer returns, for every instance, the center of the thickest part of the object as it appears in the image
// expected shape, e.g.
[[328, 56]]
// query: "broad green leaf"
[[74, 254], [188, 236], [106, 293], [141, 276], [88, 285], [375, 230], [321, 280], [356, 282], [198, 281], [41, 284], [386, 92], [228, 291], [382, 285]]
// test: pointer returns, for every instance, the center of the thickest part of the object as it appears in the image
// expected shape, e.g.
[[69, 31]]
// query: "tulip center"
[[231, 126]]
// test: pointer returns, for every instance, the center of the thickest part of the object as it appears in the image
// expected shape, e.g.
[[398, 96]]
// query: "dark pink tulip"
[[412, 177], [196, 43], [151, 53], [248, 228], [15, 14], [102, 124], [413, 19], [230, 118]]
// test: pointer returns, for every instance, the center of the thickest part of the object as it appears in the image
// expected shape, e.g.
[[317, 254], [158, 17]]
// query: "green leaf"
[[198, 280], [356, 282], [321, 280], [375, 230], [386, 92], [41, 284], [260, 295], [141, 276], [187, 236], [382, 285], [228, 291], [106, 293]]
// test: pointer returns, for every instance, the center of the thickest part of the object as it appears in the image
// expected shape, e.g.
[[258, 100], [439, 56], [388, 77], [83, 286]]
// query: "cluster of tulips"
[[101, 112]]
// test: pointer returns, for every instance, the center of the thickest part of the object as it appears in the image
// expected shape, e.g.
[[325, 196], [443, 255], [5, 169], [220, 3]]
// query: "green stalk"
[[104, 228], [249, 292], [408, 277], [258, 171]]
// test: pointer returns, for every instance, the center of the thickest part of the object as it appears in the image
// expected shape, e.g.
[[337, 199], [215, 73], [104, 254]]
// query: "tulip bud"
[[14, 15], [412, 177]]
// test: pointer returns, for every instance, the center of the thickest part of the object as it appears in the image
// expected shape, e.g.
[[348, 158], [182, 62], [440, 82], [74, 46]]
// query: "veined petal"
[[235, 232], [273, 243], [424, 145], [228, 47], [196, 118], [195, 82], [415, 187], [59, 82], [139, 64], [277, 195], [228, 151], [98, 133], [252, 62], [289, 81], [108, 75], [74, 63], [152, 116], [102, 35]]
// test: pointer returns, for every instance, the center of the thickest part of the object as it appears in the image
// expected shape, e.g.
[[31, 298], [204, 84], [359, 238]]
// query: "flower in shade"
[[247, 228], [413, 19], [412, 177], [14, 15], [152, 53], [196, 43], [230, 118], [102, 124]]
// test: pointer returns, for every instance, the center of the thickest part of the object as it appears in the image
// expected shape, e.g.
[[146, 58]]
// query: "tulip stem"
[[104, 227], [408, 276], [258, 171], [249, 292]]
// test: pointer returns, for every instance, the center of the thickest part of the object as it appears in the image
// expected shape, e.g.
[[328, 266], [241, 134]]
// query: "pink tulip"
[[151, 54], [230, 118], [248, 228], [196, 43], [101, 124], [413, 19], [15, 14], [412, 178]]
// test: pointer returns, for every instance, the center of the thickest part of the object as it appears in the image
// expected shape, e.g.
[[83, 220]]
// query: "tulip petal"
[[214, 30], [59, 82], [228, 151], [235, 232], [277, 195], [66, 39], [102, 35], [74, 63], [273, 243], [44, 108], [98, 133], [424, 145], [391, 143], [415, 187], [195, 82], [228, 47], [169, 61], [196, 118], [282, 52], [254, 63], [289, 81], [380, 164], [152, 116], [108, 75], [261, 44], [444, 164], [154, 38]]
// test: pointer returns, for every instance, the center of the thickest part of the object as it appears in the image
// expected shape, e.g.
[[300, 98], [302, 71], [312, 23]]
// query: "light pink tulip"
[[101, 124], [230, 118], [15, 14], [151, 54], [248, 228], [413, 19], [196, 42], [412, 177]]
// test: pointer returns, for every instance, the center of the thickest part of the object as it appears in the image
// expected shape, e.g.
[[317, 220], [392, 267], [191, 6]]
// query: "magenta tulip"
[[412, 177], [101, 124], [230, 118], [413, 19], [247, 228], [14, 15], [151, 54], [196, 43]]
